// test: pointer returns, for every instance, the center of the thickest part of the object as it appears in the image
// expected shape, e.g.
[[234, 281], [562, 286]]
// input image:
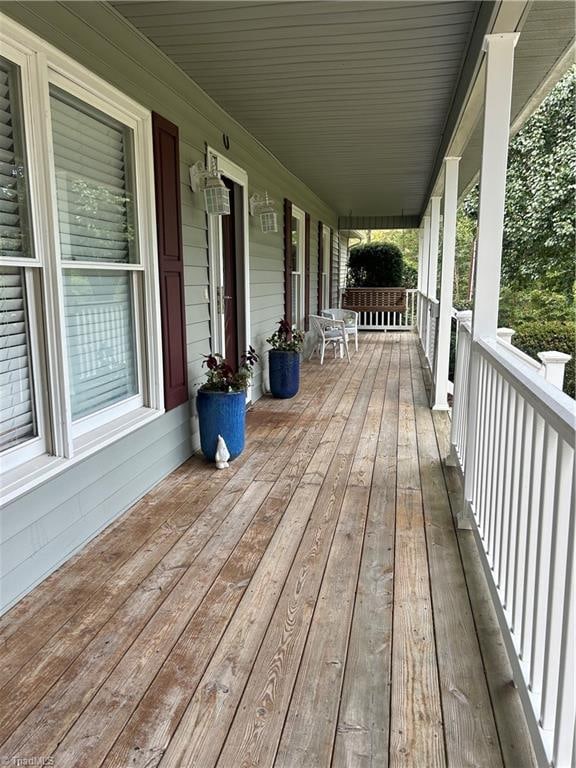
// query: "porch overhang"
[[360, 100]]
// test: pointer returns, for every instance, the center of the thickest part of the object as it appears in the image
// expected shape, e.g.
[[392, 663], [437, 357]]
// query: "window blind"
[[16, 393], [14, 241], [98, 316], [93, 163]]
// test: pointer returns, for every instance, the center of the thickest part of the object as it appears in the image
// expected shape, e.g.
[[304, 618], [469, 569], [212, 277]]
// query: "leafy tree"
[[533, 306], [539, 227]]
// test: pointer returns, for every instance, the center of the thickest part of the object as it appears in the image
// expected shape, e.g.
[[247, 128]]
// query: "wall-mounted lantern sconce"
[[216, 195], [264, 208]]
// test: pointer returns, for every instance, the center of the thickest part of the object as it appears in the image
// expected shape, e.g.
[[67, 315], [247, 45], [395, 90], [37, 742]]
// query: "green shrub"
[[546, 336], [375, 265], [410, 276], [536, 305]]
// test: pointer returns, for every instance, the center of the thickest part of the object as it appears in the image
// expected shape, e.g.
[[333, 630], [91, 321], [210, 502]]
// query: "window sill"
[[20, 480]]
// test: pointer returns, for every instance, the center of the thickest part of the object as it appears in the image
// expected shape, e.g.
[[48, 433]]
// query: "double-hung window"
[[79, 320]]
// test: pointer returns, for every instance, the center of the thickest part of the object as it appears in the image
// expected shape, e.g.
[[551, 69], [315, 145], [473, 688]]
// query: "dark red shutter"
[[288, 260], [331, 276], [170, 260], [320, 265], [306, 270]]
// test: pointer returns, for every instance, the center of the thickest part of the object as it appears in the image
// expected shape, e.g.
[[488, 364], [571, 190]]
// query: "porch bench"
[[374, 299]]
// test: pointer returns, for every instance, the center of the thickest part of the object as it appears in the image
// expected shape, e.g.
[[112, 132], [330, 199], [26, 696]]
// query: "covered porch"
[[378, 580], [307, 607]]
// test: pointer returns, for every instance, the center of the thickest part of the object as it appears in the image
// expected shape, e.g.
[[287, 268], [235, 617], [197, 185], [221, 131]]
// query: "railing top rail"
[[522, 356], [555, 407]]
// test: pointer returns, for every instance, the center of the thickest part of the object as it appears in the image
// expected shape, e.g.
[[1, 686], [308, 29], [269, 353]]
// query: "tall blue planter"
[[221, 413], [284, 373]]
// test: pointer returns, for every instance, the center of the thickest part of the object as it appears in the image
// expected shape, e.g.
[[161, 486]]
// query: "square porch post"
[[496, 135], [420, 271], [432, 272], [424, 286], [440, 397]]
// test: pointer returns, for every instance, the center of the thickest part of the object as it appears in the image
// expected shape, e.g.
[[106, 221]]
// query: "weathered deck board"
[[416, 728], [363, 723], [306, 608], [471, 737]]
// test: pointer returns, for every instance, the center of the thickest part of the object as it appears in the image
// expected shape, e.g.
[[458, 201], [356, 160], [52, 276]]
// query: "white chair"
[[327, 331], [350, 318]]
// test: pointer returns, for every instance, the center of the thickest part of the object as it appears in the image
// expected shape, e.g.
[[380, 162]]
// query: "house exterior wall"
[[43, 527]]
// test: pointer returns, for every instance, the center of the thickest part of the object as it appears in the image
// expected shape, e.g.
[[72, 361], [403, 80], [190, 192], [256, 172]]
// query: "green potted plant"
[[284, 360], [221, 403]]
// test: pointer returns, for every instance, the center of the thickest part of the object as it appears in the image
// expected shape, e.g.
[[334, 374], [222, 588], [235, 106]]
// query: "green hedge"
[[375, 265], [548, 336]]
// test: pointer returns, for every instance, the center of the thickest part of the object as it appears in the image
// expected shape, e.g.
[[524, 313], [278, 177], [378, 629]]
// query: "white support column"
[[426, 253], [425, 260], [432, 268], [435, 203], [495, 137], [420, 272], [440, 399]]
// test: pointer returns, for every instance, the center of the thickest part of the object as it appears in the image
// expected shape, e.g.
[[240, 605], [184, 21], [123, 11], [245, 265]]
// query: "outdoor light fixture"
[[216, 194], [264, 208]]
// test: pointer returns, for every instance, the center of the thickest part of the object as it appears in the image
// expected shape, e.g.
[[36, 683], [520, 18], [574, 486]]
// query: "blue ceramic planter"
[[284, 373], [221, 413]]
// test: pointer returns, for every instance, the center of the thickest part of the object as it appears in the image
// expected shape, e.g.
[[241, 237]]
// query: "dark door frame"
[[215, 291]]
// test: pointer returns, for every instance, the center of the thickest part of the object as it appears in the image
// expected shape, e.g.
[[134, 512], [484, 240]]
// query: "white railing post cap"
[[554, 358], [505, 334], [553, 365], [464, 315]]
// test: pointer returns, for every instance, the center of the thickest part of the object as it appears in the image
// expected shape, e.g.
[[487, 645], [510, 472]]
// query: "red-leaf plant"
[[221, 377], [285, 338]]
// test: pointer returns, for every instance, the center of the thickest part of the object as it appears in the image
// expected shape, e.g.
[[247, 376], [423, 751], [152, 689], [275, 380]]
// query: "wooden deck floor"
[[305, 608]]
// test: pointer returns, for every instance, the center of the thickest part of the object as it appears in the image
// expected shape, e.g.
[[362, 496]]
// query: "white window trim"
[[41, 64], [300, 216]]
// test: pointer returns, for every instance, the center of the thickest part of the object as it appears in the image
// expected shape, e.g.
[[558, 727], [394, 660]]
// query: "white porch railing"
[[461, 387], [521, 465], [391, 321], [428, 316]]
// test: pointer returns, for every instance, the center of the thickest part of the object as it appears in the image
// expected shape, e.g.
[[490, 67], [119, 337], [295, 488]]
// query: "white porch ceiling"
[[353, 97]]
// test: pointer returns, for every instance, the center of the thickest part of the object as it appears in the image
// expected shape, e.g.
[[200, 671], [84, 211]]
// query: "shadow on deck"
[[307, 607]]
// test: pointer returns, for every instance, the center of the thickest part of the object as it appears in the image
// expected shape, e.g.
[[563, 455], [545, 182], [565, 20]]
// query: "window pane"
[[93, 156], [295, 233], [99, 319], [17, 419], [14, 230], [296, 301]]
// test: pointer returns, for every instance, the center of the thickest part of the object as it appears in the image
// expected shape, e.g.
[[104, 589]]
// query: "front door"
[[232, 245]]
